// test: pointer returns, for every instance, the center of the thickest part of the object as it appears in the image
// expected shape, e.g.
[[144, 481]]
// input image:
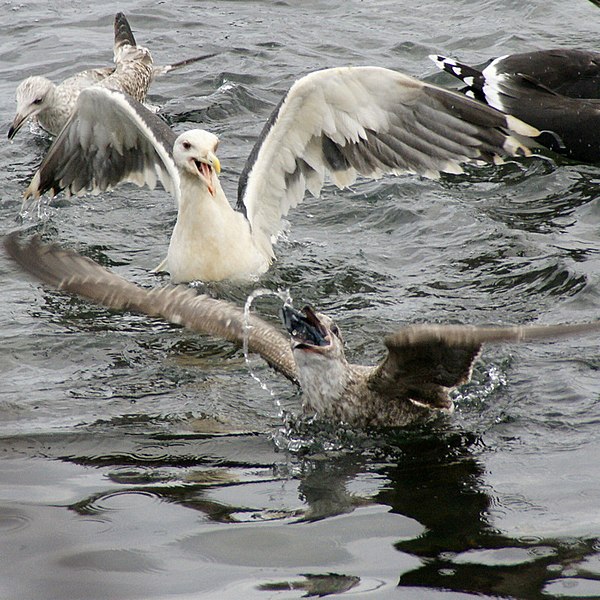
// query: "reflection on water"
[[409, 509]]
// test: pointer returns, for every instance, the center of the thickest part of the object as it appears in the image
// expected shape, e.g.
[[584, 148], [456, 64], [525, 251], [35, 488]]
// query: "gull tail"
[[161, 70]]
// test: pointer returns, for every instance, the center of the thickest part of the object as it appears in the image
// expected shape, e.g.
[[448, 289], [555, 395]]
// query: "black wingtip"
[[189, 61], [123, 33]]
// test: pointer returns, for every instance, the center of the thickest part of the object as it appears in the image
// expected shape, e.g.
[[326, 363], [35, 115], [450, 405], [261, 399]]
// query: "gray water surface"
[[140, 461]]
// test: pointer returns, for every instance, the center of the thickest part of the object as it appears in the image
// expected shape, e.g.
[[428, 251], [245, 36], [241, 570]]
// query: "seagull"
[[341, 122], [51, 104], [557, 91], [423, 364]]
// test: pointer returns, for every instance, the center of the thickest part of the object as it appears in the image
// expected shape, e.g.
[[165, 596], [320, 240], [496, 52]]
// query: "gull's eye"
[[37, 101], [186, 145]]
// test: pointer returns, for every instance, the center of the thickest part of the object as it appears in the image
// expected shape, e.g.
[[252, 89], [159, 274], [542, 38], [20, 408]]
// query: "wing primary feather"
[[69, 271], [108, 139]]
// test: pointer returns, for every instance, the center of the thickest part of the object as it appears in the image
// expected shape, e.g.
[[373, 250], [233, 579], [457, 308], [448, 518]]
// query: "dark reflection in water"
[[433, 474]]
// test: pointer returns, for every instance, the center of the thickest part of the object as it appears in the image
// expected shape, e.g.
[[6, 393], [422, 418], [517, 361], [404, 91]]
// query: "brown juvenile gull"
[[424, 363], [340, 122], [51, 104], [556, 90]]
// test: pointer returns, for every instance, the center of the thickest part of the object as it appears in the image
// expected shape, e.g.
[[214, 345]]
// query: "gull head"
[[194, 154], [34, 94], [312, 331], [318, 348]]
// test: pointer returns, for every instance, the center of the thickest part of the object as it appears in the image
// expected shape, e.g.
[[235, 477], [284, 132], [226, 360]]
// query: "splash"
[[284, 296], [34, 209], [297, 434]]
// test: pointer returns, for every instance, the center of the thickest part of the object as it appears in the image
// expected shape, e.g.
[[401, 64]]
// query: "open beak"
[[206, 170], [304, 327]]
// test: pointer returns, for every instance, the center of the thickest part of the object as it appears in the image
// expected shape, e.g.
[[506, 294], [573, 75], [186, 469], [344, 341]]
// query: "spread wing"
[[71, 272], [426, 361], [367, 121], [109, 138]]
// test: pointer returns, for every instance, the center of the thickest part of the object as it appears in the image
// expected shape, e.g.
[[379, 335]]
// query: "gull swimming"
[[423, 364], [51, 104], [340, 122], [557, 91]]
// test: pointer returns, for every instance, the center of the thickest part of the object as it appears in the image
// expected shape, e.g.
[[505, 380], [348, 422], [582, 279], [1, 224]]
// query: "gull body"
[[557, 91], [337, 123], [423, 363], [52, 104]]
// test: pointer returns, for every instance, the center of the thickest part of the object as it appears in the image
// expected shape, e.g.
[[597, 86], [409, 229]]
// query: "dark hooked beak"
[[17, 123], [304, 327], [14, 128]]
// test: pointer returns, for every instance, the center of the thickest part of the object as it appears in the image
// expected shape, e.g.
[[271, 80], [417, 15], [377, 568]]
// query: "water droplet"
[[284, 296]]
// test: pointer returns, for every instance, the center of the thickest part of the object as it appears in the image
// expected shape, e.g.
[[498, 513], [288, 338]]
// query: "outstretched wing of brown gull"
[[66, 270], [427, 361]]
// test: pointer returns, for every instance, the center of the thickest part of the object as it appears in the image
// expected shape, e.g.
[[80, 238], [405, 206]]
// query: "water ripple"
[[13, 520]]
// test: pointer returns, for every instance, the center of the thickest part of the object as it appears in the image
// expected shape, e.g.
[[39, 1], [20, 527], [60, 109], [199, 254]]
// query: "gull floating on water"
[[51, 104], [340, 122], [423, 362], [557, 91]]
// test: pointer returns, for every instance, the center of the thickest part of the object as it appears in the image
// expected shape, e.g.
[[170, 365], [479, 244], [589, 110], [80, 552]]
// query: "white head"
[[194, 154], [34, 94], [318, 349]]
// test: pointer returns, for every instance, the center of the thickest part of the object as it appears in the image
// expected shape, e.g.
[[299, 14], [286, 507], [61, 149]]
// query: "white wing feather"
[[382, 122], [110, 138]]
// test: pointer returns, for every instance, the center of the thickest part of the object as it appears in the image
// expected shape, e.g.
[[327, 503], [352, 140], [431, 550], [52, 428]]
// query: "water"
[[141, 461]]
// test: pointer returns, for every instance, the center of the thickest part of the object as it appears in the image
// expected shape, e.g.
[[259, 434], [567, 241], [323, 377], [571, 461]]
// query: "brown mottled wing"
[[425, 361], [71, 272]]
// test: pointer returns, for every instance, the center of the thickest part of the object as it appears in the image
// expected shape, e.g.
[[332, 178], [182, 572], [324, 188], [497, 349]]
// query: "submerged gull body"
[[557, 91], [52, 105], [423, 362], [338, 123]]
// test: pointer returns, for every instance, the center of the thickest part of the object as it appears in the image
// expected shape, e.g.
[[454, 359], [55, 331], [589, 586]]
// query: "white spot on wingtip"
[[521, 127]]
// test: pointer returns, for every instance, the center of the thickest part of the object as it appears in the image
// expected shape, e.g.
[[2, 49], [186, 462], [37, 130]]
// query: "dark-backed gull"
[[340, 122], [557, 91], [51, 104], [423, 363]]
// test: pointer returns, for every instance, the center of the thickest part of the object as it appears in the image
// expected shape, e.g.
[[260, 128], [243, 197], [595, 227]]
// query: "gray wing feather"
[[71, 272], [367, 121], [110, 138]]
